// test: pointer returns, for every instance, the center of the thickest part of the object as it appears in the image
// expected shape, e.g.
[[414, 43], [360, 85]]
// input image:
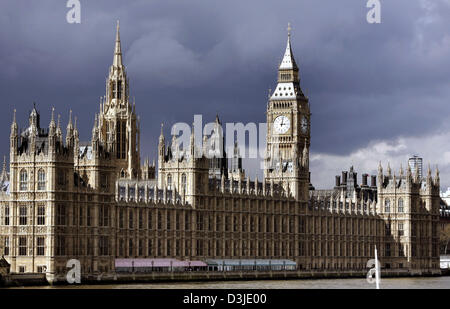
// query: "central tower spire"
[[117, 61], [117, 122]]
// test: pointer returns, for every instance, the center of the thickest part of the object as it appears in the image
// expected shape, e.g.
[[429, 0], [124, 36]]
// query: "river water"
[[388, 283]]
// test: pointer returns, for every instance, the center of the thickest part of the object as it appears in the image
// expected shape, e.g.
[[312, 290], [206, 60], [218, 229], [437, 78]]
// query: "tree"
[[445, 238]]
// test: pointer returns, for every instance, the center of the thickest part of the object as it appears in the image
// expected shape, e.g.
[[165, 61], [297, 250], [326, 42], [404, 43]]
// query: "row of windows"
[[61, 216], [41, 179], [183, 182], [170, 247], [23, 246], [168, 222], [400, 206], [24, 215], [387, 205], [23, 183]]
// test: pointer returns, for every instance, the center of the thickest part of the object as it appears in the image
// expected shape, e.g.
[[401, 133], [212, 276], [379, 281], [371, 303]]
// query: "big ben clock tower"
[[288, 131]]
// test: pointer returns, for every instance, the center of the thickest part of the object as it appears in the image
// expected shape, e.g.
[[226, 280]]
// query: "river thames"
[[388, 283]]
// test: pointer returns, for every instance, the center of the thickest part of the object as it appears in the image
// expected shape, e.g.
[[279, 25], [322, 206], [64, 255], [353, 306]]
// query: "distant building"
[[445, 262], [415, 163]]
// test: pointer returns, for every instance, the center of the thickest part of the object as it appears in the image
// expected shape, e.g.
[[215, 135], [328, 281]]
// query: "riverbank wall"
[[201, 276]]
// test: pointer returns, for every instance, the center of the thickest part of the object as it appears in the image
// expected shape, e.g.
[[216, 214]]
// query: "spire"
[[4, 174], [192, 142], [288, 62], [416, 175], [58, 127], [436, 177], [288, 86], [52, 125], [305, 155], [34, 117], [95, 128], [14, 124], [161, 136], [117, 62], [162, 144], [70, 125]]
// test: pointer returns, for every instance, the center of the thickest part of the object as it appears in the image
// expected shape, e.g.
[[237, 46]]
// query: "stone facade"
[[95, 202]]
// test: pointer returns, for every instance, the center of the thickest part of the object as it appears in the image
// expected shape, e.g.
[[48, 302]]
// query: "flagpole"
[[377, 270]]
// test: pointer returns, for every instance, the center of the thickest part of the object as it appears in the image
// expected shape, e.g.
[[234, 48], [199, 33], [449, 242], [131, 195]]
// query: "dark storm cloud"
[[365, 82]]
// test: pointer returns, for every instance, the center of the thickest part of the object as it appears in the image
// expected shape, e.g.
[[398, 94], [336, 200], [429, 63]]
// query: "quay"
[[199, 276]]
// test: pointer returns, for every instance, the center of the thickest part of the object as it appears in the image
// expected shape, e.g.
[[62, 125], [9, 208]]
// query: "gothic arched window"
[[387, 205], [183, 182], [41, 180], [169, 182], [23, 180], [400, 205]]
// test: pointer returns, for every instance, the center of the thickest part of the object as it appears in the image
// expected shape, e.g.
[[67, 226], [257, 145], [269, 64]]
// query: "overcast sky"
[[377, 91]]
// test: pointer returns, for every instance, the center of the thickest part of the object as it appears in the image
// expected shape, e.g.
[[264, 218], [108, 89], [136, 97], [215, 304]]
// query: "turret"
[[408, 175], [192, 143], [95, 138], [416, 175], [14, 140], [305, 156], [429, 179], [437, 179], [161, 146], [34, 122], [52, 133], [76, 140], [380, 176], [174, 146], [69, 132], [58, 131]]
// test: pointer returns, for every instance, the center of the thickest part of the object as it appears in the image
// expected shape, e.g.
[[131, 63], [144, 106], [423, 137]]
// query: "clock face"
[[281, 124], [304, 125]]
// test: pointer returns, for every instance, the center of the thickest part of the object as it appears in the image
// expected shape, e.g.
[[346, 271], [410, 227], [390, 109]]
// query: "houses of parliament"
[[96, 201]]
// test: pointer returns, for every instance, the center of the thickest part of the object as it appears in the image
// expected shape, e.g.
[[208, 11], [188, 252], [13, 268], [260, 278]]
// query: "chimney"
[[344, 178], [373, 181], [338, 181], [364, 180]]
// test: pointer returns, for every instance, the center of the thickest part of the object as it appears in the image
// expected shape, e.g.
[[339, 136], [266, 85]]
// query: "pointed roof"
[[117, 61], [70, 125], [3, 262], [288, 62], [4, 177]]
